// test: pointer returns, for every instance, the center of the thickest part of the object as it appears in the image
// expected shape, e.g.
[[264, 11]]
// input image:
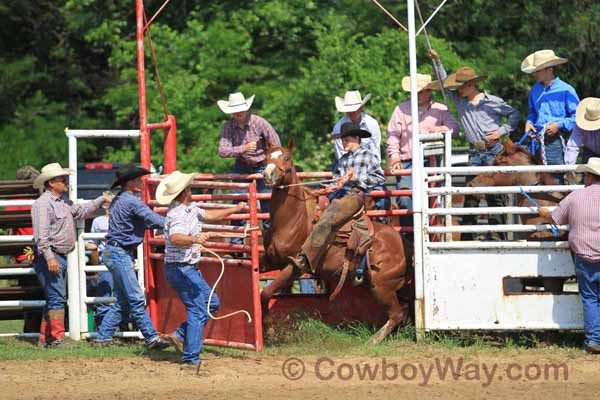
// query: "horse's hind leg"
[[397, 313]]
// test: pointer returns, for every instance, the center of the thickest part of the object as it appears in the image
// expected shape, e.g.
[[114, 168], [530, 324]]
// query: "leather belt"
[[252, 165], [130, 249]]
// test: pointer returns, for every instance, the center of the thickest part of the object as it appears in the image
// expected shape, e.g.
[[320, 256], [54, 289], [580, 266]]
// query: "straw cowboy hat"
[[351, 101], [461, 76], [587, 116], [172, 185], [50, 171], [423, 82], [539, 60], [127, 173], [236, 103], [592, 167], [352, 129]]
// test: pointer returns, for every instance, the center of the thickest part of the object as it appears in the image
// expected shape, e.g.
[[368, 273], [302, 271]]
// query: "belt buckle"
[[479, 145]]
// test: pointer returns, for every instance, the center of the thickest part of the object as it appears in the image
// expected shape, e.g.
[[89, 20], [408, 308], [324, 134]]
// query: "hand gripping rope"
[[553, 227], [539, 136], [212, 291]]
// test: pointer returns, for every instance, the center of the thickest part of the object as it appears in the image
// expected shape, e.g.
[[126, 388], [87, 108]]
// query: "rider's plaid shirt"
[[367, 170], [186, 220]]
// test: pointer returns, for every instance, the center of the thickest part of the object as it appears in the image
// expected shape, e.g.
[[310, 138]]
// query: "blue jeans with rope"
[[194, 293], [588, 280]]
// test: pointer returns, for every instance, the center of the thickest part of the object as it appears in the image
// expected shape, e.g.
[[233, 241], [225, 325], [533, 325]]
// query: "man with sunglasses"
[[53, 220]]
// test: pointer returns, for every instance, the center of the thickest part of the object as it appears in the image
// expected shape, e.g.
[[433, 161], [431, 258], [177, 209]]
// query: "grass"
[[310, 337]]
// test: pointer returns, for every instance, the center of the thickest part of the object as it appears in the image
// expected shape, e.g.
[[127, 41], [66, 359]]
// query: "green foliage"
[[74, 64]]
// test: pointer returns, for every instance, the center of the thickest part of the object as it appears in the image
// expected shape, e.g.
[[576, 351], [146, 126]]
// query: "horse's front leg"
[[285, 277]]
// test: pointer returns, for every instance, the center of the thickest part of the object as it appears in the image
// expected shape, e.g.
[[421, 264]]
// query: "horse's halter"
[[283, 171]]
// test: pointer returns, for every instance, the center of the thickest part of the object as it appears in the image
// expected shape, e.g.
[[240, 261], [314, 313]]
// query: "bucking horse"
[[293, 215]]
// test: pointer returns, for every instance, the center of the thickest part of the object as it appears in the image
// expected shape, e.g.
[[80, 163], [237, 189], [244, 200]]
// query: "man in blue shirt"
[[129, 218], [552, 105]]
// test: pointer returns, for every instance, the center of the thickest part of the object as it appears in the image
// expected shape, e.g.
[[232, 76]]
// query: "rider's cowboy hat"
[[423, 82], [592, 167], [127, 173], [236, 103], [175, 183], [461, 76], [587, 116], [50, 171], [539, 60], [352, 101], [352, 129]]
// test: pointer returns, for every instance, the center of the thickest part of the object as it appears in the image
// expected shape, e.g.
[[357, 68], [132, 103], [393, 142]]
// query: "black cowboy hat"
[[352, 129], [127, 173]]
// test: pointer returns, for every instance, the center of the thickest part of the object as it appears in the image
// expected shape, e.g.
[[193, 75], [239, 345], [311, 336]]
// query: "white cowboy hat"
[[539, 60], [587, 116], [236, 103], [423, 82], [172, 185], [592, 167], [351, 101], [50, 171]]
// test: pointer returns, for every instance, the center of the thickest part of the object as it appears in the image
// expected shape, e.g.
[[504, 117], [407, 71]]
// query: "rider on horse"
[[359, 172]]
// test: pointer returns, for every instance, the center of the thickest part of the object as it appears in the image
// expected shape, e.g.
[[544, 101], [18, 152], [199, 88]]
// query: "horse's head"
[[279, 164], [513, 155]]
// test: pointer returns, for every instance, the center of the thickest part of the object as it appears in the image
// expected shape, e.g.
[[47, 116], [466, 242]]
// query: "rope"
[[389, 14], [437, 73], [160, 88], [214, 288], [310, 183], [539, 136], [553, 227]]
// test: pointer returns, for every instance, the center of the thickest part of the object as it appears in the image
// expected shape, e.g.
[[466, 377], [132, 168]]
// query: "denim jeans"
[[554, 156], [54, 285], [240, 168], [405, 202], [104, 288], [588, 279], [482, 159], [193, 291], [129, 294]]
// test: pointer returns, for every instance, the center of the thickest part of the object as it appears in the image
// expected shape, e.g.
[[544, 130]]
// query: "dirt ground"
[[260, 376]]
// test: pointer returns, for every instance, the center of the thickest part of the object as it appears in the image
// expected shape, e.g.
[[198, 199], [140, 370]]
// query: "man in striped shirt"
[[359, 172], [246, 137], [581, 211], [183, 236], [53, 220]]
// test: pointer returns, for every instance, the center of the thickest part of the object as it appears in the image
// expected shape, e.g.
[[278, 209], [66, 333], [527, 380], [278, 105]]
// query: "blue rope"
[[532, 142], [553, 228]]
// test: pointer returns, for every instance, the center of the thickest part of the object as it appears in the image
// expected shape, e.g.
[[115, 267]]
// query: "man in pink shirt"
[[581, 211], [433, 117]]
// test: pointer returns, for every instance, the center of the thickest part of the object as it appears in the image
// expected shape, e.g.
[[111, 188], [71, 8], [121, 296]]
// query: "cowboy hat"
[[50, 171], [592, 167], [539, 60], [352, 129], [423, 82], [236, 103], [461, 76], [587, 116], [127, 173], [351, 101], [172, 185]]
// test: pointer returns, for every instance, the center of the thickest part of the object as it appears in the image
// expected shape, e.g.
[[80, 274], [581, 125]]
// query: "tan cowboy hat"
[[539, 60], [351, 101], [172, 185], [423, 82], [50, 171], [461, 76], [236, 103], [587, 116], [592, 167]]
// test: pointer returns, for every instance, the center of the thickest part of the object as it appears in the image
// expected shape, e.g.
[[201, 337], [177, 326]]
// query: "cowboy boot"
[[44, 332], [57, 327]]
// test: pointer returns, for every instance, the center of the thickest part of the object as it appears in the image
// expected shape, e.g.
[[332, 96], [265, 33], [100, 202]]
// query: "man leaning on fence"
[[183, 236], [481, 116], [53, 220], [581, 211], [129, 217]]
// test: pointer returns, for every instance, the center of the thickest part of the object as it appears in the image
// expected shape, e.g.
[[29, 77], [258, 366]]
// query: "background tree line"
[[72, 63]]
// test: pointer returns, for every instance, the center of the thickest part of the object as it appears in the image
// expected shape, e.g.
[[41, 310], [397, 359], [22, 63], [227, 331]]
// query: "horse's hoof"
[[357, 281]]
